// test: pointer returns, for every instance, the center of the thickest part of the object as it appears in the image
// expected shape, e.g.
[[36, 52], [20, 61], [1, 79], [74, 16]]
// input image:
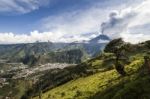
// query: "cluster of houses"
[[29, 71], [19, 71]]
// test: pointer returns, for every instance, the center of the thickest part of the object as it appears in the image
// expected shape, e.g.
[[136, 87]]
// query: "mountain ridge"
[[17, 52]]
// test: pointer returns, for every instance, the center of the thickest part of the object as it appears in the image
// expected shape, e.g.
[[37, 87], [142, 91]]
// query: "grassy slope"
[[105, 82], [103, 85]]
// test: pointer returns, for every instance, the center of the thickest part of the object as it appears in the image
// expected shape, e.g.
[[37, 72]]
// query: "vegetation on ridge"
[[106, 83]]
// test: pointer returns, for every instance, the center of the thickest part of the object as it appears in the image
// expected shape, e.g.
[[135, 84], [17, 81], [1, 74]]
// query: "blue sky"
[[23, 21], [11, 20]]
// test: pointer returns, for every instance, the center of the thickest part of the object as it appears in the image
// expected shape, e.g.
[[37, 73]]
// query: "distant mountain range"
[[18, 52]]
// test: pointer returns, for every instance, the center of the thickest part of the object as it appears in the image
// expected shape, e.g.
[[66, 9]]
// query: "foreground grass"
[[94, 85]]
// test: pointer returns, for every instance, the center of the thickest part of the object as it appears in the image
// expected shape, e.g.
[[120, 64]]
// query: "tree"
[[147, 64], [119, 67], [113, 45], [118, 47], [147, 44]]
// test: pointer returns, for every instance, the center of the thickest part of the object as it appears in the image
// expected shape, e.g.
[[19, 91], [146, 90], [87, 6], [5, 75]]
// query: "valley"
[[62, 74], [74, 49], [98, 77], [20, 72], [24, 65]]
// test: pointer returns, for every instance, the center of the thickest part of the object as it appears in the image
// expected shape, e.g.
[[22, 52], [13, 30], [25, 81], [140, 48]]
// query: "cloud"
[[20, 6], [132, 23], [75, 26], [89, 20], [11, 38], [76, 22]]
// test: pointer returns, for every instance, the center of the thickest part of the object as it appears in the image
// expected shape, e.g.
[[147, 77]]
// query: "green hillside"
[[72, 56], [100, 80], [103, 85], [15, 52], [45, 52]]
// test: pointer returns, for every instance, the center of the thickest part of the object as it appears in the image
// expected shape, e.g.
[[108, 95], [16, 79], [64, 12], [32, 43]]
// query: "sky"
[[27, 21]]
